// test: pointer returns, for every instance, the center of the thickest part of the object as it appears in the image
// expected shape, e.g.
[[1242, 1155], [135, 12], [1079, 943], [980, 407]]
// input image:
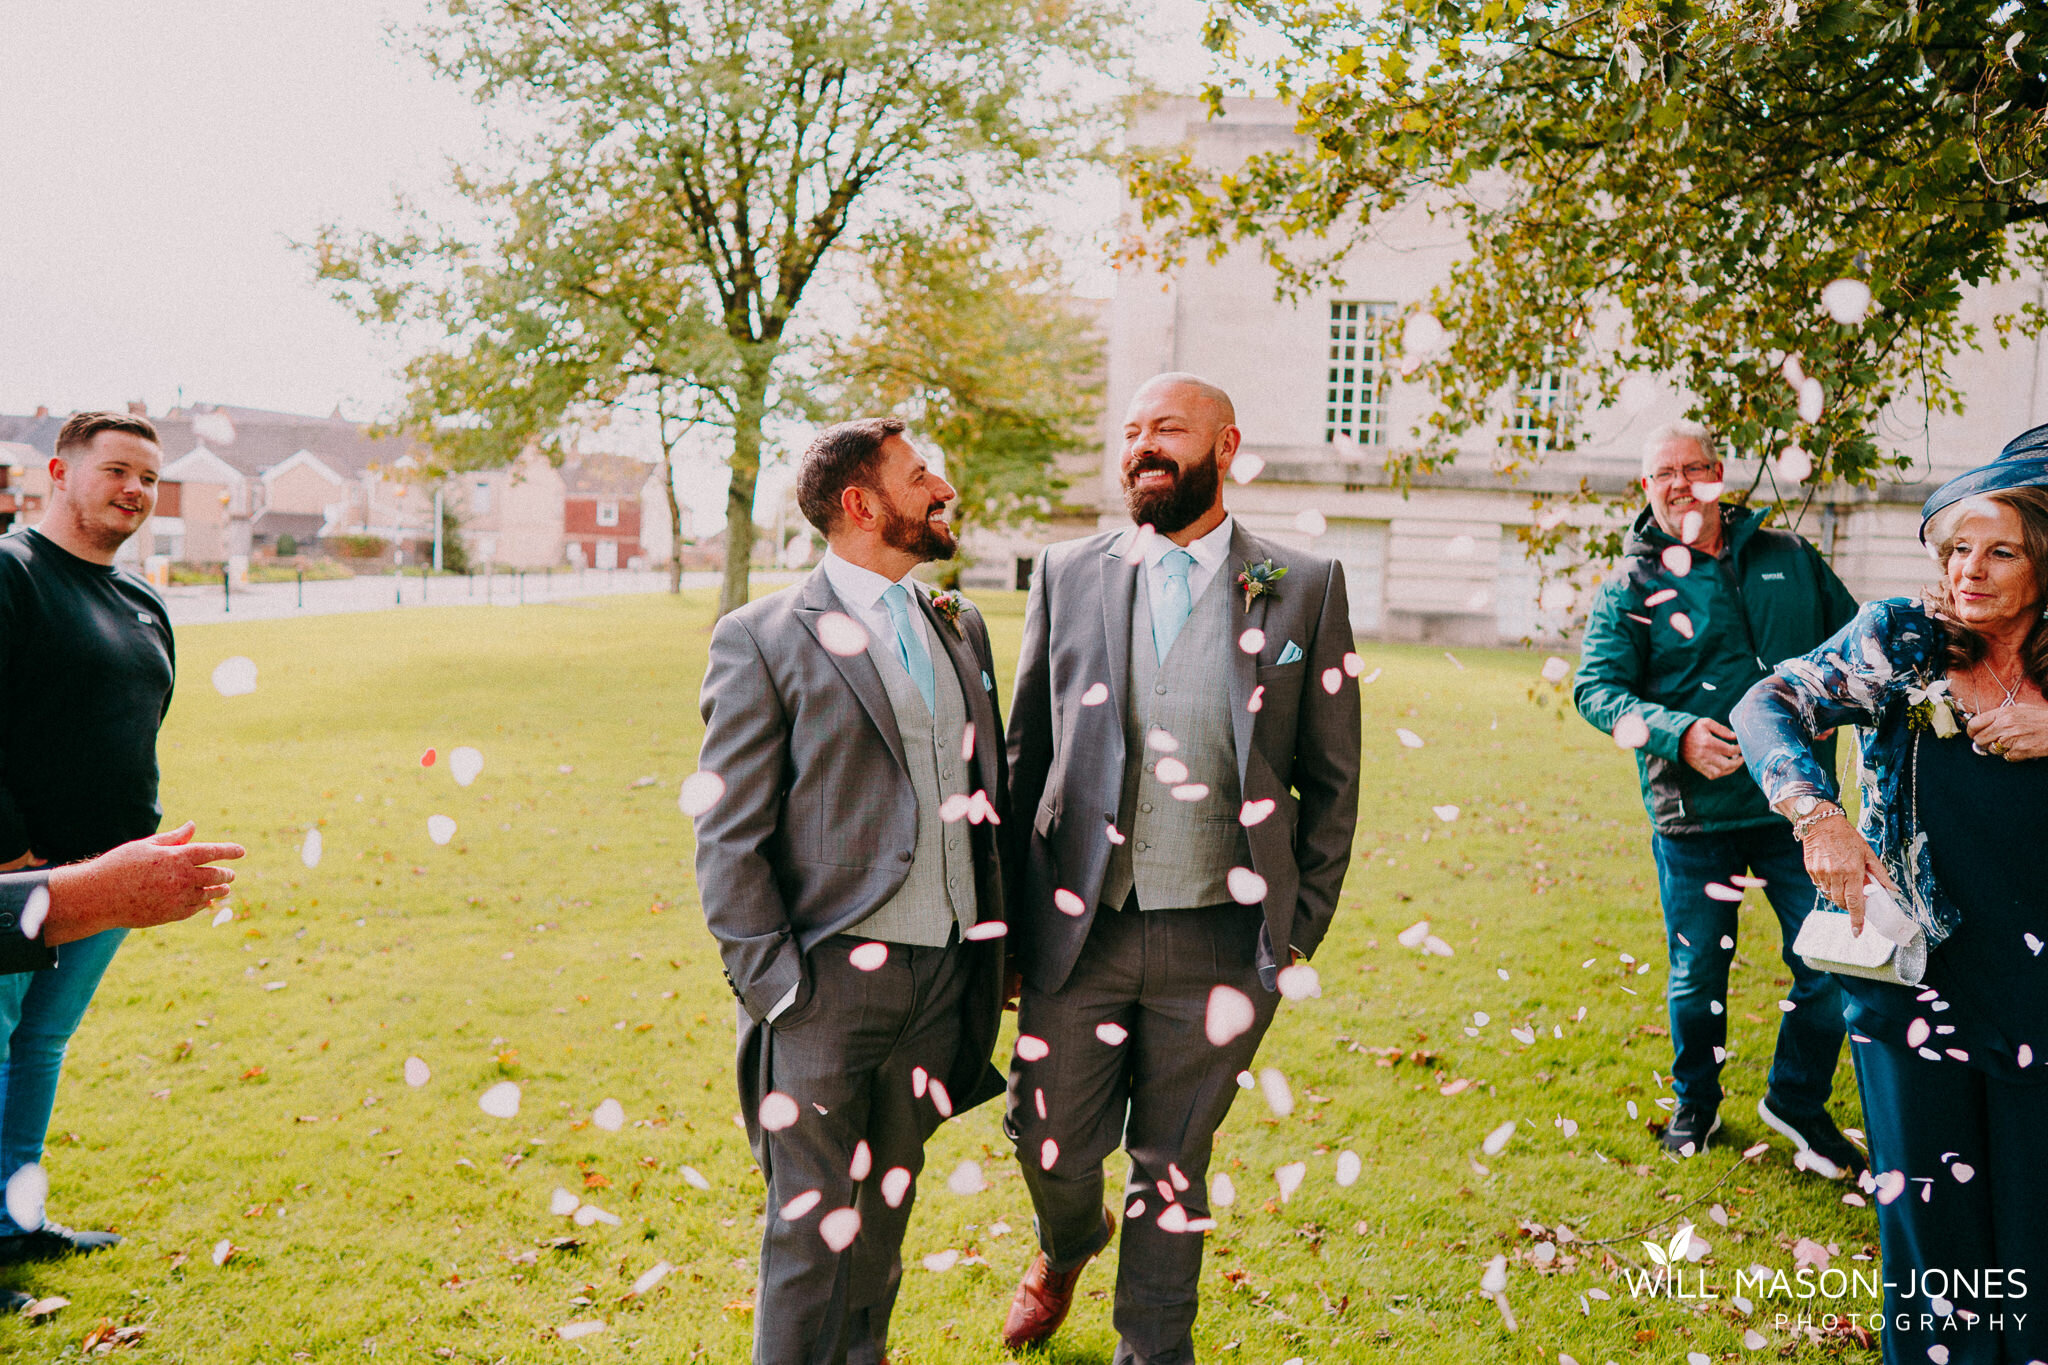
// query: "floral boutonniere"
[[947, 605], [1258, 580], [1932, 708]]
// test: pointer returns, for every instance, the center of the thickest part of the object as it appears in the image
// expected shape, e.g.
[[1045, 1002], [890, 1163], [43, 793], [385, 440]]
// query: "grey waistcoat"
[[940, 887], [1178, 854]]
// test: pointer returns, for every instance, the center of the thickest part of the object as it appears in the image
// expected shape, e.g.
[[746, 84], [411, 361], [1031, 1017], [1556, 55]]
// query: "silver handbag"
[[1828, 945]]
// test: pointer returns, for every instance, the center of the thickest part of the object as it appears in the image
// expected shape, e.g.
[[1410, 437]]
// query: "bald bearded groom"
[[1184, 755]]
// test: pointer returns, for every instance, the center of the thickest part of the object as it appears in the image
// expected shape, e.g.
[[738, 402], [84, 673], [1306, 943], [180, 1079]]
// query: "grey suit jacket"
[[818, 822], [1300, 750]]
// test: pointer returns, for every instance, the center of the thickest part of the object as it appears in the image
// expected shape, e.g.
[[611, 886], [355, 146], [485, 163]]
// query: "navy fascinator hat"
[[2023, 463]]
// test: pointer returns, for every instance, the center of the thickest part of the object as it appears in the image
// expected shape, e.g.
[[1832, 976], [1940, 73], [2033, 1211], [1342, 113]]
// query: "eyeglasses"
[[1692, 473]]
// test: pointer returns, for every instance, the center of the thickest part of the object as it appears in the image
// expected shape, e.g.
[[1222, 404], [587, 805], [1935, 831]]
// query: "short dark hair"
[[81, 427], [840, 457]]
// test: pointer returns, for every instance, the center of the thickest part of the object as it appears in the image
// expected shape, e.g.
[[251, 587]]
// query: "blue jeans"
[[39, 1011], [1695, 924]]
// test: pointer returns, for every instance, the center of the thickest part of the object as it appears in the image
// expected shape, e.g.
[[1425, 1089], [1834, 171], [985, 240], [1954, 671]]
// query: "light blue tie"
[[917, 660], [1175, 606]]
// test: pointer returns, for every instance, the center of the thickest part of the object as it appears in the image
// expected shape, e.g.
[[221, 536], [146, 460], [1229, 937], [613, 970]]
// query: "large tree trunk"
[[751, 411]]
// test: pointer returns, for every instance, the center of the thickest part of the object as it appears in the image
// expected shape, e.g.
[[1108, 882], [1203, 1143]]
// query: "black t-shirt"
[[86, 667]]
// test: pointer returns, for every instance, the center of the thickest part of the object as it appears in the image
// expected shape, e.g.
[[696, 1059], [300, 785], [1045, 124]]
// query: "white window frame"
[[1540, 419], [607, 511], [1357, 380]]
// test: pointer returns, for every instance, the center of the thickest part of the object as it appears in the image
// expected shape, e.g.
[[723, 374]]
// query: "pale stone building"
[[1321, 408]]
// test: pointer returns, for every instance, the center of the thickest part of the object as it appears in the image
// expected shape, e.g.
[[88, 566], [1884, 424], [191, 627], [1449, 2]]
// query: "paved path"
[[193, 605]]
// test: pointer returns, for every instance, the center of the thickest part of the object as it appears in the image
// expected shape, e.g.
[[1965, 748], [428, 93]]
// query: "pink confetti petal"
[[1631, 731], [1067, 903], [1229, 1014], [1190, 791], [1290, 1177], [895, 1184], [1252, 640], [987, 929], [954, 808], [1257, 702], [1246, 467], [1095, 695], [1708, 492], [920, 1081], [1114, 835], [1173, 1218], [1311, 522], [1255, 812], [842, 635], [1556, 670], [1793, 466], [1333, 678], [839, 1228], [941, 1101], [1032, 1048], [1113, 1034], [1246, 886], [1660, 597], [1279, 1095], [863, 1162], [1682, 623], [1677, 559], [1048, 1154], [1716, 891], [417, 1073], [869, 957], [1353, 665], [1171, 770], [801, 1205]]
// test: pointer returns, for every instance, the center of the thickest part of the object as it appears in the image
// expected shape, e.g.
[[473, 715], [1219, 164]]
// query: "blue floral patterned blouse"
[[1867, 675]]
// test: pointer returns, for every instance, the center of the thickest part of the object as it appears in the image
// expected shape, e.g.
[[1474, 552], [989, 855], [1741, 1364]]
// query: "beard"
[[919, 536], [1180, 503]]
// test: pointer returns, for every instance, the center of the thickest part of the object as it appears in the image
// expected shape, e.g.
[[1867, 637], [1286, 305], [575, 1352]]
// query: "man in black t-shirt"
[[86, 666]]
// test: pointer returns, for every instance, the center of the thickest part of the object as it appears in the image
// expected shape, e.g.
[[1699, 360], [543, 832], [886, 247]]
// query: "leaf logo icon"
[[1656, 1253], [1681, 1243]]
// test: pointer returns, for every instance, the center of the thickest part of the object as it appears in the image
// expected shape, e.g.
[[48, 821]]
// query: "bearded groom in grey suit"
[[1184, 750], [850, 875]]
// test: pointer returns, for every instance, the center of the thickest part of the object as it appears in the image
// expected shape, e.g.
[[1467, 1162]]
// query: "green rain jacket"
[[1768, 597]]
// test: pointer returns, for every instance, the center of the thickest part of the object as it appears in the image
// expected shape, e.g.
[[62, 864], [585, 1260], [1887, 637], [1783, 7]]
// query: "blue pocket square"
[[988, 684], [1289, 654]]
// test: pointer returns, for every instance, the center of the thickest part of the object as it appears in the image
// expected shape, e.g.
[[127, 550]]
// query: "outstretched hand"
[[1840, 861], [158, 880]]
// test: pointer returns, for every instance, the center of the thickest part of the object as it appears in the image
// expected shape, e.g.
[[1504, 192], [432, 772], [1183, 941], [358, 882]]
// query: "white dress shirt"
[[1210, 552], [861, 590]]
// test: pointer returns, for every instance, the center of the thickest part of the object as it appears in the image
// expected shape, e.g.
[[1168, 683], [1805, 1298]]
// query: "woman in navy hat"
[[1953, 1069]]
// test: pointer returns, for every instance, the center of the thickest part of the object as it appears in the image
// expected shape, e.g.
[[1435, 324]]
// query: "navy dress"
[[1954, 1074]]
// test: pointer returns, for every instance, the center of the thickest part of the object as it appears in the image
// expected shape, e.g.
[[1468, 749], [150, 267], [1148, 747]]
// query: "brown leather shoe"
[[1043, 1298]]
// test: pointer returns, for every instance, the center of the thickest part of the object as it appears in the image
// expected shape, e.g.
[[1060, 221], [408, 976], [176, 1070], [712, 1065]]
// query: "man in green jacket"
[[1704, 603]]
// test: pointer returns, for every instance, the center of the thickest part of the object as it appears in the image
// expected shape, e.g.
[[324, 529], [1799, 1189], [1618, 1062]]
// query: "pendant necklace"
[[2012, 694]]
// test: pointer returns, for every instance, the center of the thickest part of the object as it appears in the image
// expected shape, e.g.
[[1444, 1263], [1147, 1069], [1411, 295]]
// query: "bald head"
[[1190, 395]]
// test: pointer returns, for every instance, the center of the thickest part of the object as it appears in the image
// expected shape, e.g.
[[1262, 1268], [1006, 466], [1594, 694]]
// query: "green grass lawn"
[[246, 1083]]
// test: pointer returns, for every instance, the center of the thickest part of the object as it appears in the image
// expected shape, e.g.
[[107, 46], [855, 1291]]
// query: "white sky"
[[159, 158]]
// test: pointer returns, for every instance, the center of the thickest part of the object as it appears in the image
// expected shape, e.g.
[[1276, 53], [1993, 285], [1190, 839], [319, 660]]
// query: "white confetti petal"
[[801, 1205], [417, 1073], [1255, 812], [895, 1184], [1067, 903], [1556, 670], [310, 850], [1290, 1177], [1246, 886], [562, 1203], [841, 634], [610, 1115], [701, 791], [1252, 640], [575, 1331], [501, 1101], [235, 677], [940, 1261], [27, 1189], [224, 915], [839, 1228], [778, 1111], [987, 929], [440, 828], [1222, 1192], [1112, 1034], [1847, 301], [869, 957], [651, 1277], [693, 1177], [1409, 739], [1333, 678], [1349, 1167], [1445, 813], [1300, 982], [1677, 559], [1246, 467], [1279, 1095], [1498, 1138], [1311, 522], [1413, 935], [464, 764], [967, 1179], [1230, 1013], [1631, 731], [1095, 695]]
